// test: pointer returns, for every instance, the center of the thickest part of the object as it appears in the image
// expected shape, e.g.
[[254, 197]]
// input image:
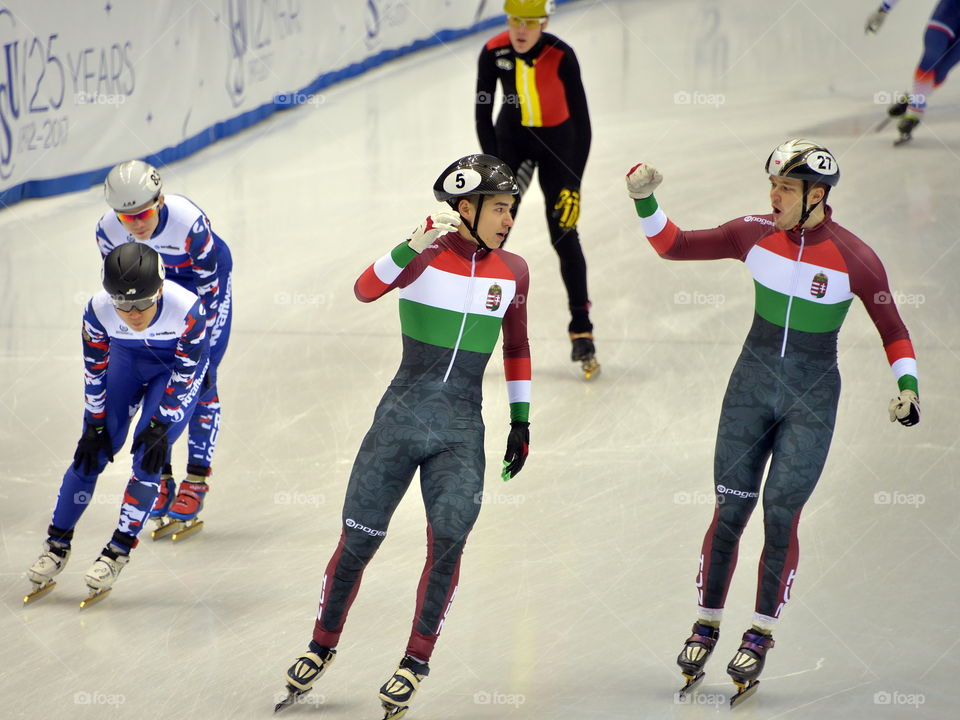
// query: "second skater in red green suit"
[[781, 402], [457, 290]]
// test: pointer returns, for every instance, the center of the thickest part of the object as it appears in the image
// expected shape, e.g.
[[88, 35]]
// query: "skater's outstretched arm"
[[671, 242]]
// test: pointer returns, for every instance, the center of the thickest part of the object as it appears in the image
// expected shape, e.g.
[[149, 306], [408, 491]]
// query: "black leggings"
[[560, 167], [443, 436], [781, 409]]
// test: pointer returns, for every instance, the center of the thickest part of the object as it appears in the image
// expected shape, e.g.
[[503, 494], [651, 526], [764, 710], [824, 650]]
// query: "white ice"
[[577, 586]]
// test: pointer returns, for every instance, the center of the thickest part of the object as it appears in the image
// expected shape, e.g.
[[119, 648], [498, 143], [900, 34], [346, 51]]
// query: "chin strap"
[[804, 210], [472, 229]]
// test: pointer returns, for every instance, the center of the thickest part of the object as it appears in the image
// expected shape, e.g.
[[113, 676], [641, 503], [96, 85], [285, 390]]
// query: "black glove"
[[518, 447], [94, 439], [209, 378], [154, 440]]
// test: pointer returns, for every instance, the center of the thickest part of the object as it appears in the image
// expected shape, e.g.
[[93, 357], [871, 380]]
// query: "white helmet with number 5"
[[132, 184], [804, 160]]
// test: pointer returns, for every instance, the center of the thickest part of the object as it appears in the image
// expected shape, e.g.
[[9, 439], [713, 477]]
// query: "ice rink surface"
[[577, 585]]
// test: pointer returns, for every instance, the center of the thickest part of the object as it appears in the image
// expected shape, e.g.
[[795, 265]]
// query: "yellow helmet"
[[529, 8]]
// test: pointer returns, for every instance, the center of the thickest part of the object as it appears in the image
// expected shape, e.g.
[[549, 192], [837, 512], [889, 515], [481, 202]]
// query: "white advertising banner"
[[85, 84]]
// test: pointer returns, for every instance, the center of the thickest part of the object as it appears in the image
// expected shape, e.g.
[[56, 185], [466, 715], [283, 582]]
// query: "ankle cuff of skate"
[[200, 471]]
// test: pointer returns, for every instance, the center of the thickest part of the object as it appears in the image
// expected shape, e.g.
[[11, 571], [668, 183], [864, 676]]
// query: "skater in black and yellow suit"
[[543, 123]]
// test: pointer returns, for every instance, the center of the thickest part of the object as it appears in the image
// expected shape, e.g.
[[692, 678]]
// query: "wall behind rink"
[[85, 84]]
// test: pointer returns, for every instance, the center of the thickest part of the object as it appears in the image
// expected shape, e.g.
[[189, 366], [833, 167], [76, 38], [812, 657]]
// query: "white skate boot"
[[50, 564], [103, 574]]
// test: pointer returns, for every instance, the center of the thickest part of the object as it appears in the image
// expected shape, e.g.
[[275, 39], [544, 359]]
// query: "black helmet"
[[132, 271], [475, 175], [804, 160]]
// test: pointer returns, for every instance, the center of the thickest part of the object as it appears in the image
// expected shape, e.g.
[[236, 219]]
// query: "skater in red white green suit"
[[457, 291], [781, 400]]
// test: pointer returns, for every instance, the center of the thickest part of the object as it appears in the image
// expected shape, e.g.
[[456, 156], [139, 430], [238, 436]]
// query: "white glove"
[[642, 180], [433, 227], [905, 408], [875, 21]]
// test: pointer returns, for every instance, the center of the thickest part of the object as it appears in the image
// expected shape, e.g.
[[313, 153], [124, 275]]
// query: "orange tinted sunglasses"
[[142, 215], [528, 23]]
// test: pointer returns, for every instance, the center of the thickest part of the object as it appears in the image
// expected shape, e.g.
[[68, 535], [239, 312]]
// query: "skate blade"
[[165, 528], [883, 123], [744, 691], [290, 699], [902, 140], [186, 530], [590, 368], [95, 597], [393, 712], [38, 592], [692, 682]]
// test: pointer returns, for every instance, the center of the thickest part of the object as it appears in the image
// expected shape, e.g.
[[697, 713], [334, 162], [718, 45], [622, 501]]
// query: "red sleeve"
[[731, 240], [868, 281]]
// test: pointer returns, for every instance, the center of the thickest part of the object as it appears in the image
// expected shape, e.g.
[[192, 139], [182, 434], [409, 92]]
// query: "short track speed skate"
[[181, 520], [304, 672], [696, 651], [747, 664], [161, 506], [102, 575], [50, 564], [397, 692], [905, 127], [584, 352]]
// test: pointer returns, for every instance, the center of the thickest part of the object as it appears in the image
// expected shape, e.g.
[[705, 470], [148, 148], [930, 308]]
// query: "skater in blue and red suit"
[[941, 51], [144, 347], [196, 258]]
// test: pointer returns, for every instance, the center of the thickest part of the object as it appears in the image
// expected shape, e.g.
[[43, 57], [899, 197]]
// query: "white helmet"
[[131, 184], [804, 160]]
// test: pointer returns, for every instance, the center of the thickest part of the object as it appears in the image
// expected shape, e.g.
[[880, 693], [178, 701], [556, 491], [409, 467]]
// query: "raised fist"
[[642, 180]]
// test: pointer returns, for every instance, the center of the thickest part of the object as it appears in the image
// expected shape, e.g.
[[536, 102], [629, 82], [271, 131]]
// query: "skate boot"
[[187, 505], [103, 574], [305, 671], [161, 506], [906, 127], [585, 353], [397, 692], [747, 664], [899, 106], [50, 563], [694, 655]]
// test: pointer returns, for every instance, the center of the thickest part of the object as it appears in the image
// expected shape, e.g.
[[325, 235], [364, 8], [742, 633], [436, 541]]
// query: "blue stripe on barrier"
[[231, 126]]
